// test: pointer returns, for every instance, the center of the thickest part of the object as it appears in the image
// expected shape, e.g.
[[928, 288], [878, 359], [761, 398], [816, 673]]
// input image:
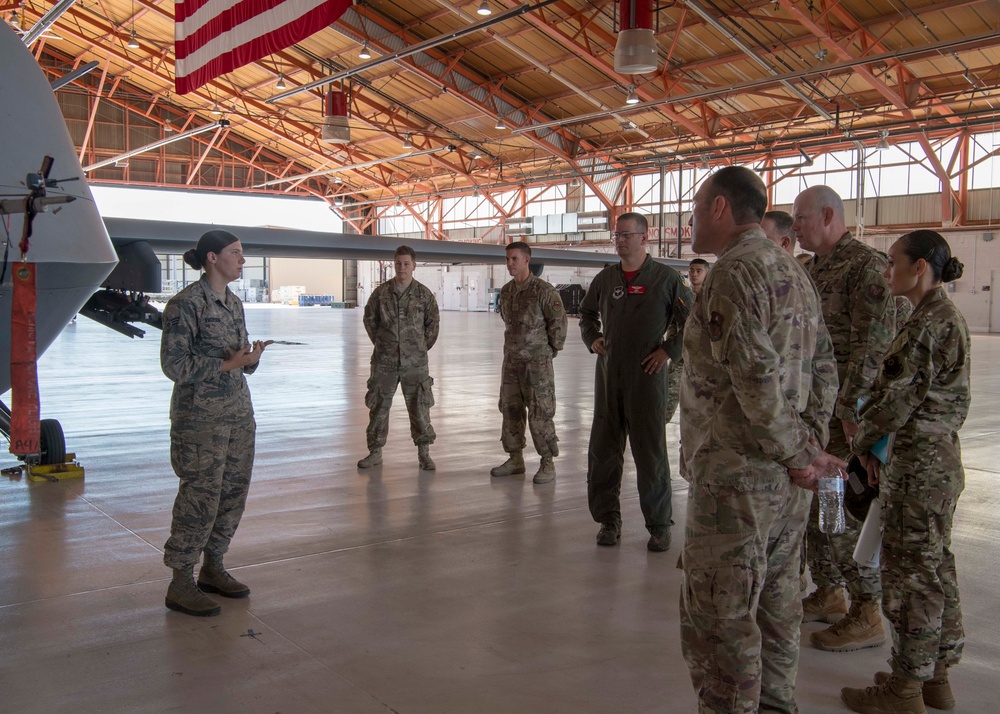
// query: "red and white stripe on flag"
[[213, 37]]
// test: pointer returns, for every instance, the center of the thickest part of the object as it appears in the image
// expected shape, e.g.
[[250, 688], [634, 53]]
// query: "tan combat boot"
[[860, 628], [374, 458], [424, 458], [513, 465], [213, 578], [824, 605], [184, 596], [937, 691], [546, 471], [896, 695]]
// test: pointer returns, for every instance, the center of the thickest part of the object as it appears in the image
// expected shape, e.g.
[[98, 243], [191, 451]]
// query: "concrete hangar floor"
[[390, 590]]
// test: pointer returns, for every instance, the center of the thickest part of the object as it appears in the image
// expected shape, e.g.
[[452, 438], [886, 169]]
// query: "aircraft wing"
[[175, 238]]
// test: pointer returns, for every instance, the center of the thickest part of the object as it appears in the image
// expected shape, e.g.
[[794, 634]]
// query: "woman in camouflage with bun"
[[206, 352], [921, 395]]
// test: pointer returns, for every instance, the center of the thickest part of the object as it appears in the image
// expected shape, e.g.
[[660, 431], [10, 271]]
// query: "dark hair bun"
[[192, 259], [952, 270]]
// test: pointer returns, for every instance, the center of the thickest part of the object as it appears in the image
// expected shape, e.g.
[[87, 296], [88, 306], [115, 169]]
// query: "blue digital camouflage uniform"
[[861, 317], [212, 430], [403, 326], [922, 394], [633, 318], [535, 331], [759, 386]]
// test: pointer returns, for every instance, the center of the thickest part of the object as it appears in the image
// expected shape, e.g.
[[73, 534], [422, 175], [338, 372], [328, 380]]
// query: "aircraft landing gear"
[[53, 443], [52, 438], [53, 463]]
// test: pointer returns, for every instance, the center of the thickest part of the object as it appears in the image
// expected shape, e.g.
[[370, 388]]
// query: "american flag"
[[213, 37]]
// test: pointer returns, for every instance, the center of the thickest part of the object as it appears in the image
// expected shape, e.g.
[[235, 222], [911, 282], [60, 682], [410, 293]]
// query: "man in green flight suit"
[[624, 319]]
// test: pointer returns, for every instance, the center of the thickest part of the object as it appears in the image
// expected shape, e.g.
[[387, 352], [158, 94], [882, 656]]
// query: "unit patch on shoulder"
[[892, 367], [618, 293], [875, 293], [715, 327]]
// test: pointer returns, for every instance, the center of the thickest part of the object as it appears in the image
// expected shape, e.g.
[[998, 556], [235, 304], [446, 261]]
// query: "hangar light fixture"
[[133, 42], [883, 142], [484, 8], [636, 51], [632, 97]]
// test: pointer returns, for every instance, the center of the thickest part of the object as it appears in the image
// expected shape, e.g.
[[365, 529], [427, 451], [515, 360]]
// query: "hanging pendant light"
[[133, 41], [636, 51]]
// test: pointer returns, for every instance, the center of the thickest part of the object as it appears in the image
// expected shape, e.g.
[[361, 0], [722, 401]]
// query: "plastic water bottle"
[[831, 503]]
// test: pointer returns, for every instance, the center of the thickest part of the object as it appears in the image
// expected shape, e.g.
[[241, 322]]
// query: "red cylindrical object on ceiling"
[[336, 103], [635, 14]]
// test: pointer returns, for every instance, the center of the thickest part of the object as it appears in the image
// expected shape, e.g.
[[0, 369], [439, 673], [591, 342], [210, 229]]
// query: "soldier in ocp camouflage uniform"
[[861, 317], [697, 271], [922, 395], [535, 322], [777, 226], [756, 398], [206, 352], [402, 321]]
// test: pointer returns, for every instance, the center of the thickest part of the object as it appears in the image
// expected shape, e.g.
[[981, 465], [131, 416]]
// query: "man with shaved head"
[[861, 316]]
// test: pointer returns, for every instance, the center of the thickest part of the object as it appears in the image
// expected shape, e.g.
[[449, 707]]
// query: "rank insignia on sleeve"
[[875, 293], [618, 293], [892, 367], [715, 327], [173, 322]]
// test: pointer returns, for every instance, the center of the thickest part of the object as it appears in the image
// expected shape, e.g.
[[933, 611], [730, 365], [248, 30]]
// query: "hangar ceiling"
[[525, 96]]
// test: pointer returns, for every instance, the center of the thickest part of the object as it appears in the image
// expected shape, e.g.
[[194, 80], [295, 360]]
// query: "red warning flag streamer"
[[25, 428]]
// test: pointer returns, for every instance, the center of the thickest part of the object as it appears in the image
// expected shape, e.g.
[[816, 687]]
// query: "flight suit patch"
[[875, 293], [892, 367], [715, 327], [618, 293]]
